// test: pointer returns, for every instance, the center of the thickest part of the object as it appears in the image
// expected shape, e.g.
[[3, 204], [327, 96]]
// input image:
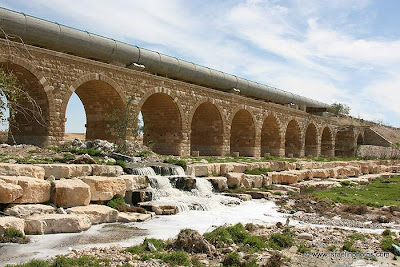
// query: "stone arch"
[[243, 133], [163, 127], [207, 130], [327, 143], [32, 126], [102, 99], [293, 143], [311, 140], [271, 138]]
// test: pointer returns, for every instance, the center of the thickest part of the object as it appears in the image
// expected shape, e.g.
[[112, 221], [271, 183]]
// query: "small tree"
[[339, 109], [15, 99]]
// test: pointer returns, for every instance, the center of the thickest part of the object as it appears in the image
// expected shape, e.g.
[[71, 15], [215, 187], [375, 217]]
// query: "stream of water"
[[200, 209]]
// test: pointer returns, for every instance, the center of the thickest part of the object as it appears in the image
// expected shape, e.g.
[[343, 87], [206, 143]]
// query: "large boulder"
[[34, 190], [107, 170], [56, 223], [234, 179], [252, 181], [193, 242], [204, 169], [9, 192], [8, 169], [70, 193], [11, 222], [135, 182], [127, 217], [66, 170], [159, 209], [283, 177], [29, 209], [219, 183], [96, 213], [320, 173], [104, 188]]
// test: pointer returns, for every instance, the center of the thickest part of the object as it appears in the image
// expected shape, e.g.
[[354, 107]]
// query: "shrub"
[[356, 209], [345, 183], [197, 263], [176, 258], [348, 246], [387, 242], [121, 163], [303, 248], [179, 162], [116, 201], [275, 260], [12, 235], [388, 232], [279, 241], [158, 243], [32, 263], [232, 259], [63, 261]]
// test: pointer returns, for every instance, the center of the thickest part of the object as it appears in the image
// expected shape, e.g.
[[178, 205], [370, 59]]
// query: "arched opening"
[[162, 124], [207, 132], [75, 119], [103, 106], [293, 139], [360, 140], [345, 143], [30, 124], [243, 134], [326, 143], [311, 141], [270, 136]]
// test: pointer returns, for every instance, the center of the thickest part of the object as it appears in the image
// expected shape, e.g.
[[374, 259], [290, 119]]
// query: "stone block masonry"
[[179, 118]]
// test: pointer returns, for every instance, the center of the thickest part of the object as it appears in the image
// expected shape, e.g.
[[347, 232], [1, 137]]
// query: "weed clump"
[[12, 235]]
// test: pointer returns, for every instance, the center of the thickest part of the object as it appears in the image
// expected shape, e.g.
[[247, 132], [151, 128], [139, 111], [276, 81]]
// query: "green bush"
[[179, 162], [12, 235], [176, 258], [121, 163], [303, 248], [197, 263], [280, 241], [387, 242], [116, 201], [348, 246], [232, 260], [32, 263], [86, 261]]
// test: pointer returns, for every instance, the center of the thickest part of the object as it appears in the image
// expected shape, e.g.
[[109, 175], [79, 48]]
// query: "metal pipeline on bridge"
[[57, 37]]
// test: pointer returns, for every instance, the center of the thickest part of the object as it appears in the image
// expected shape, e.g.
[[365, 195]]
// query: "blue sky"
[[331, 50]]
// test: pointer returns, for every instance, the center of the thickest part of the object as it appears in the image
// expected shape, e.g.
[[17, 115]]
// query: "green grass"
[[227, 235], [78, 151], [233, 259], [116, 201], [376, 194], [257, 171], [303, 248], [63, 261], [12, 235], [279, 241], [387, 242], [179, 162]]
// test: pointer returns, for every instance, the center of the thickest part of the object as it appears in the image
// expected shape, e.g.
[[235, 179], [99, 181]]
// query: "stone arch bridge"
[[180, 118]]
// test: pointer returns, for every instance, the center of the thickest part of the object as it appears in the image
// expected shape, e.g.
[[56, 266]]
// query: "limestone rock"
[[9, 192], [320, 173], [243, 197], [96, 213], [34, 190], [66, 170], [252, 181], [21, 170], [56, 223], [219, 183], [159, 209], [287, 188], [104, 188], [259, 194], [283, 177], [135, 182], [126, 217], [107, 170], [11, 222], [234, 179], [192, 241], [71, 193], [29, 209], [306, 236]]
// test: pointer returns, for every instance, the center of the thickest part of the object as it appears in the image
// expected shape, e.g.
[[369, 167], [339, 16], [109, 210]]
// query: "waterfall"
[[169, 170], [201, 197], [147, 171]]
